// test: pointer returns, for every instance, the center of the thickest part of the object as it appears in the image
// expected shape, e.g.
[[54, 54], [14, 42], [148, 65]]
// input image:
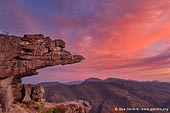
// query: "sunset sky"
[[127, 39]]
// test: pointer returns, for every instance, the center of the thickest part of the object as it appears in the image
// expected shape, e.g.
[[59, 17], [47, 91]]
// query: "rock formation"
[[21, 57], [31, 92], [77, 106]]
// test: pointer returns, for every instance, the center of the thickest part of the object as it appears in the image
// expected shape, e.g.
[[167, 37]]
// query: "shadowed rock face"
[[22, 56]]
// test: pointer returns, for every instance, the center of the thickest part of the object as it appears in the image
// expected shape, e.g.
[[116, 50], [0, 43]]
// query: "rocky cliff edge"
[[21, 57]]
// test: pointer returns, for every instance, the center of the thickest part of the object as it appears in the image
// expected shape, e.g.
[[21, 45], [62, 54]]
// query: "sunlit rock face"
[[22, 56]]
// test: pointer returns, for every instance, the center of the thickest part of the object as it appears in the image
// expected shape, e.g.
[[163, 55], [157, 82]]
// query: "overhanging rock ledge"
[[22, 56]]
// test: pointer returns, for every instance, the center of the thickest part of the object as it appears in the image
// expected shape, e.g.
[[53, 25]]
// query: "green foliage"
[[58, 109], [40, 108], [33, 105], [29, 103]]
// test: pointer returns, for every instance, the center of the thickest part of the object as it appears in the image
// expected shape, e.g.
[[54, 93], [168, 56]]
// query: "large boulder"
[[37, 93], [33, 93]]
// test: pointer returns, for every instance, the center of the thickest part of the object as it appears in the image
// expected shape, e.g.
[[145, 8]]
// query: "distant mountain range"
[[48, 84], [106, 95]]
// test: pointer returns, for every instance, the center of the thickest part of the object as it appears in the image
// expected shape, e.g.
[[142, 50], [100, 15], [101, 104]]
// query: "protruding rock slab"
[[22, 56]]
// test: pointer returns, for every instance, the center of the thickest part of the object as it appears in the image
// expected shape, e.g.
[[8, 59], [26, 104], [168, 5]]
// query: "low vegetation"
[[57, 109]]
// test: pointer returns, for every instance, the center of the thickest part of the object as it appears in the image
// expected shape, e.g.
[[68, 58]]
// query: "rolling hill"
[[106, 95]]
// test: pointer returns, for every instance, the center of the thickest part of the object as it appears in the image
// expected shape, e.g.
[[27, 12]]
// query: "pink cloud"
[[118, 45], [128, 39]]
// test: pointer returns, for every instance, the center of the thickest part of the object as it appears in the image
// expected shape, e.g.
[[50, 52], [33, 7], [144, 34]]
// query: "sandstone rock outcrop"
[[21, 57], [26, 93], [77, 106], [37, 93], [32, 92]]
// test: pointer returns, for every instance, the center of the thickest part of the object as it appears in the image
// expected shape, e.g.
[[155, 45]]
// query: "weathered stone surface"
[[68, 107], [32, 93], [59, 43], [37, 93], [21, 57], [27, 93], [6, 93], [77, 106]]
